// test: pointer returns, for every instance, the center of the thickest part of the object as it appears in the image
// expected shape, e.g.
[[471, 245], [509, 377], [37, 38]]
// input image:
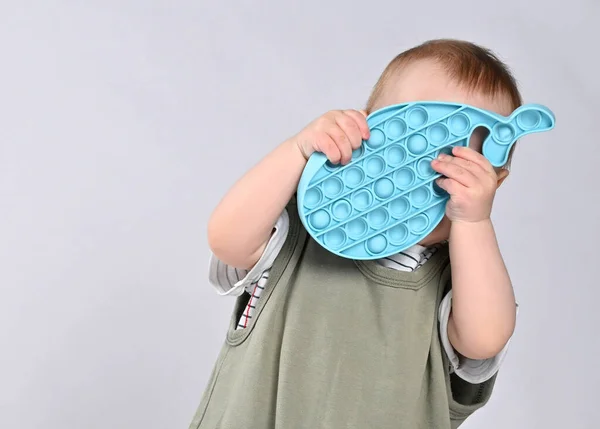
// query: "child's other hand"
[[471, 182], [336, 134]]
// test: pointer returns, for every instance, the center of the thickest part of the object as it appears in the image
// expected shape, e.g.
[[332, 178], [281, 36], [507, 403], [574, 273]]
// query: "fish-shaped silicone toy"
[[386, 200]]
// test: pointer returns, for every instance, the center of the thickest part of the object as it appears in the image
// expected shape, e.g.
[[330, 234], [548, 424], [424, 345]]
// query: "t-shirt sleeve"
[[473, 371], [232, 281]]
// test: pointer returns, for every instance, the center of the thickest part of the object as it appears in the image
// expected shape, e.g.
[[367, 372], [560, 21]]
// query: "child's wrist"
[[471, 222], [473, 228], [297, 150]]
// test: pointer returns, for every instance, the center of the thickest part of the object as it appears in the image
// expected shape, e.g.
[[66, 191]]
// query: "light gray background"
[[123, 122]]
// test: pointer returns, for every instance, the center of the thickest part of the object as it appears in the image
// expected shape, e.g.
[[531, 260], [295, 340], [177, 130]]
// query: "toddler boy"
[[414, 340]]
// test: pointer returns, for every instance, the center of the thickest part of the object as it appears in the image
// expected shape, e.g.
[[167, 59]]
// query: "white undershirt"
[[233, 281]]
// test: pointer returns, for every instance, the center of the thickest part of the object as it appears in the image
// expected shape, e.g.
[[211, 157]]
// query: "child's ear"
[[502, 175]]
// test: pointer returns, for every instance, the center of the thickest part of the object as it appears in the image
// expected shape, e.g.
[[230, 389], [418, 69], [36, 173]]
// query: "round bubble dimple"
[[376, 245], [374, 166], [420, 196], [395, 155], [362, 199], [418, 223], [319, 219], [383, 188], [417, 144], [341, 210], [503, 133], [357, 153], [529, 119], [354, 176], [459, 124], [395, 128], [399, 207], [404, 177], [445, 150], [376, 139], [335, 238], [398, 234], [437, 191], [312, 198], [357, 228], [378, 217], [417, 117], [424, 169], [333, 186], [438, 134], [329, 166]]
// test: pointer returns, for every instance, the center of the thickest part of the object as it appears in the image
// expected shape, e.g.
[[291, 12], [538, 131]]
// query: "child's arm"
[[242, 223], [483, 303]]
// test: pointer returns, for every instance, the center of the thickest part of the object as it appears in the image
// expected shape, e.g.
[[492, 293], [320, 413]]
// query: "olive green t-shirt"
[[336, 343]]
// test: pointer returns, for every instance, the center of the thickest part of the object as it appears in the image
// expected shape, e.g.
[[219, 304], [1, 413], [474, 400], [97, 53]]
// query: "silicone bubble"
[[386, 199]]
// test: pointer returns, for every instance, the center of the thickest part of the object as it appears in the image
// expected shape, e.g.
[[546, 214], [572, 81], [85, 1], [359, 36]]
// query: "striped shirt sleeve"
[[472, 371], [233, 281]]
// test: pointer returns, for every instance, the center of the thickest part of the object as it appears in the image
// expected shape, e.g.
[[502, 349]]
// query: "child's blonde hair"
[[473, 66]]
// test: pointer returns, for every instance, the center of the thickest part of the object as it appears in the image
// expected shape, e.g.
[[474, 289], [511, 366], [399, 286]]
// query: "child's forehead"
[[425, 80]]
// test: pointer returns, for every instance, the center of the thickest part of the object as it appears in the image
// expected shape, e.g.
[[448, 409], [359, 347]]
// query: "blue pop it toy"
[[386, 200]]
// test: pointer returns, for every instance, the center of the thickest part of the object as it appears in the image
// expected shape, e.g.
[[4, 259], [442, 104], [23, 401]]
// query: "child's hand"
[[336, 134], [471, 182]]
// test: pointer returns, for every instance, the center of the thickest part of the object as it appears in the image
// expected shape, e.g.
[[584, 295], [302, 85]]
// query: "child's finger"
[[361, 121], [450, 185], [454, 171], [350, 127], [467, 164], [330, 149], [342, 142], [473, 156]]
